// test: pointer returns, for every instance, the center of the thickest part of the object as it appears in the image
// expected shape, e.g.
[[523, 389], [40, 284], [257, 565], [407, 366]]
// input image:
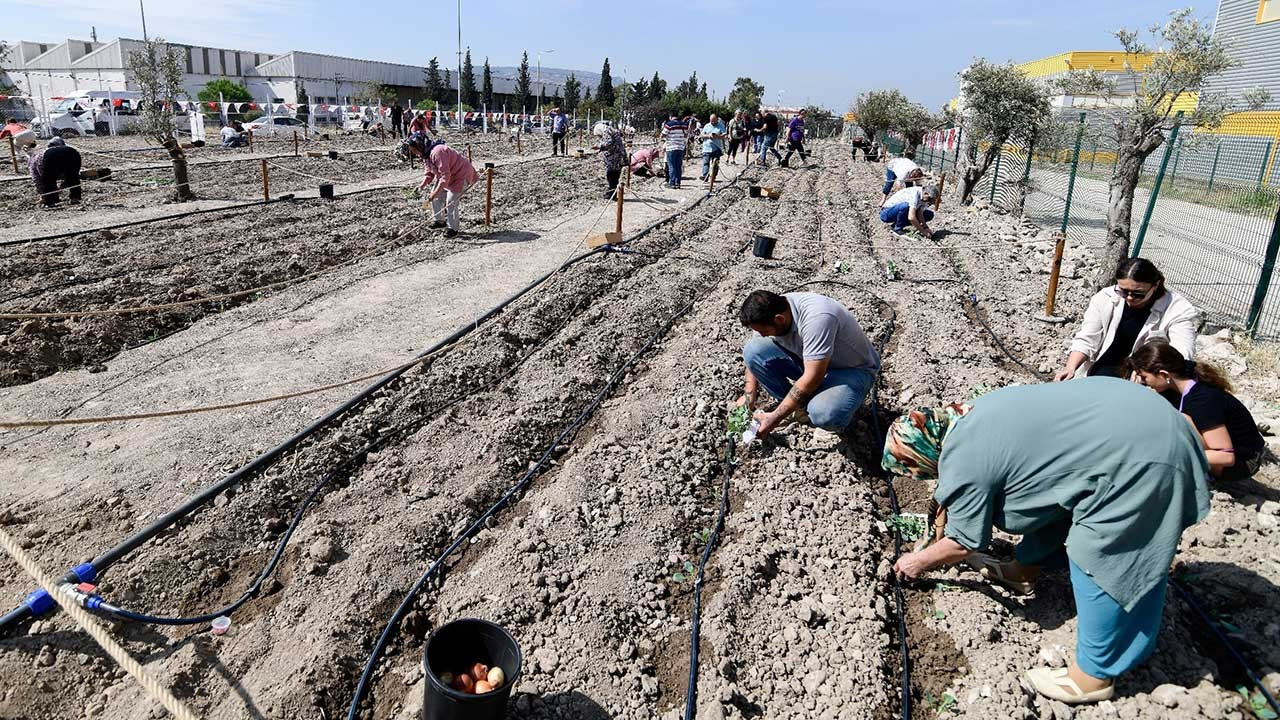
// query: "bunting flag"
[[213, 105], [253, 106]]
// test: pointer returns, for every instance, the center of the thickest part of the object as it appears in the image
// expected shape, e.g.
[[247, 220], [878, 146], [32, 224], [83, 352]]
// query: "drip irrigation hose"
[[115, 554], [1188, 598], [691, 693], [362, 688], [37, 602]]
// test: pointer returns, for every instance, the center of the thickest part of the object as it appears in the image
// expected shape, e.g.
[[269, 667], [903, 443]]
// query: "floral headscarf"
[[915, 440]]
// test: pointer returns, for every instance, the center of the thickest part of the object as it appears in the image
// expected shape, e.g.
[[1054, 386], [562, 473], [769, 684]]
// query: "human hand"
[[768, 421], [910, 566], [744, 399], [1063, 375]]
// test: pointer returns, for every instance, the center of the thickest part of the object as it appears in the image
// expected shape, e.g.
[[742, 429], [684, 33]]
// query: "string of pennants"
[[947, 139]]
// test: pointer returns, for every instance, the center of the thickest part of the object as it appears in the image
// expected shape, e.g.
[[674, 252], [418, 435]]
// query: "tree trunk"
[[1124, 181], [181, 180], [974, 171]]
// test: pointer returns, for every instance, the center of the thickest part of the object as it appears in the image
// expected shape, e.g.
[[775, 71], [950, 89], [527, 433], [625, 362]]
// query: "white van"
[[90, 113]]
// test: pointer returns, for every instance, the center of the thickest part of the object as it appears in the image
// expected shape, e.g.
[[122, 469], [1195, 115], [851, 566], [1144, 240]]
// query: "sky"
[[820, 52]]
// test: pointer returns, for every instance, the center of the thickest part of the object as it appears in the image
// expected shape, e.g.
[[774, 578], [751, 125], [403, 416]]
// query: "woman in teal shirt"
[[1101, 467]]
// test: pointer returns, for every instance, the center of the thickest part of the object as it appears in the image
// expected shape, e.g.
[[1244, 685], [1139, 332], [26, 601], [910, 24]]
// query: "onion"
[[479, 672], [464, 683], [483, 687], [496, 677]]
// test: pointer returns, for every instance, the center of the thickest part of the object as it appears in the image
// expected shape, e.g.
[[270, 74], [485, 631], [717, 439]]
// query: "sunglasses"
[[1133, 294]]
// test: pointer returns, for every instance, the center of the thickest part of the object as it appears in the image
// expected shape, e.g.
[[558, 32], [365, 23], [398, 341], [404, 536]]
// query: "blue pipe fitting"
[[85, 572], [39, 602]]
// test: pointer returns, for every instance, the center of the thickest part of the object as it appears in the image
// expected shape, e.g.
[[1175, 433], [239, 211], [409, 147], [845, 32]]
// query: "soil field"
[[588, 564]]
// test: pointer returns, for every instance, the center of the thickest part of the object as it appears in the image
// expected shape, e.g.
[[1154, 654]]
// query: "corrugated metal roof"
[[1254, 45]]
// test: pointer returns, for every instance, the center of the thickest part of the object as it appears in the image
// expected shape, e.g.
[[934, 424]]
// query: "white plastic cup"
[[749, 434], [220, 625]]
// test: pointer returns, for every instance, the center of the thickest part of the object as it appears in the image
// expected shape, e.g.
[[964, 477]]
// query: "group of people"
[[762, 130], [907, 197], [232, 134], [1099, 472], [52, 168]]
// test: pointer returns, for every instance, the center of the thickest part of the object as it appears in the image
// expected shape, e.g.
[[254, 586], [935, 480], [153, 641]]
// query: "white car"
[[280, 124]]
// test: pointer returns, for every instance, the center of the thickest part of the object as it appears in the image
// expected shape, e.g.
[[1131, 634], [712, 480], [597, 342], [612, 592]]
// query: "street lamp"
[[540, 54]]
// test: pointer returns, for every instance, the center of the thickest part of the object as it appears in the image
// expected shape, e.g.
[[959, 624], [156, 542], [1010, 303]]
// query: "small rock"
[[1167, 694], [1270, 507]]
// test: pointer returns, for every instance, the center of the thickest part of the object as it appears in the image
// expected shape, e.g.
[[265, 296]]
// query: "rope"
[[299, 172], [89, 624]]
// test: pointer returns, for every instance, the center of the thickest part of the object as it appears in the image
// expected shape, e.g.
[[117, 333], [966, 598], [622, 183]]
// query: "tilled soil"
[[210, 255], [587, 567]]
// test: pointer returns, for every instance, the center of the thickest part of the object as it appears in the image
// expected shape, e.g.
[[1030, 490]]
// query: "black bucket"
[[764, 246], [489, 166], [326, 191], [453, 648], [333, 154], [754, 191]]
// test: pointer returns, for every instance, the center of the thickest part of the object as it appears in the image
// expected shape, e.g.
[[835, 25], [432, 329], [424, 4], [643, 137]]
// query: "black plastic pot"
[[489, 166], [753, 191], [333, 154], [764, 246], [453, 648], [326, 191]]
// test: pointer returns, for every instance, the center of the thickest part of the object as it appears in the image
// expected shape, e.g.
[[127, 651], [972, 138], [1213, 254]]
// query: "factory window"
[[256, 60], [88, 48], [188, 59], [1268, 10]]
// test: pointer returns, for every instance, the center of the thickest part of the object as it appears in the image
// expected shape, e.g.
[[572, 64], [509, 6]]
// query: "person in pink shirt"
[[642, 160], [451, 174]]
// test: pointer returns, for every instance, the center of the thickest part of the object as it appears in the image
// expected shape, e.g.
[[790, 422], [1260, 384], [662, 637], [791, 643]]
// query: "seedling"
[[702, 536], [840, 267], [558, 172], [909, 526], [942, 705], [891, 271], [979, 390], [686, 574], [946, 587], [1257, 703], [739, 419]]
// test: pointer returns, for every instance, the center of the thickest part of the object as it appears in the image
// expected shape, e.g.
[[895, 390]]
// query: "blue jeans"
[[837, 399], [756, 142], [889, 179], [770, 141], [900, 215], [707, 157], [1110, 641], [675, 167]]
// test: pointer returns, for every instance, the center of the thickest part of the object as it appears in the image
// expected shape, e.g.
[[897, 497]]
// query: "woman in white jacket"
[[1136, 309]]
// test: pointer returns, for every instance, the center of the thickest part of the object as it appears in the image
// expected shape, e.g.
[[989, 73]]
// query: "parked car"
[[72, 116]]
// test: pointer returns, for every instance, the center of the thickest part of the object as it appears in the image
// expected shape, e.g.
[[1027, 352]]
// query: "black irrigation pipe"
[[393, 623], [89, 571], [38, 602], [691, 693]]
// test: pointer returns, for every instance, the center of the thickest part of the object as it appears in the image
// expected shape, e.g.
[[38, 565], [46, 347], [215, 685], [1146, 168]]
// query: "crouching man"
[[810, 354]]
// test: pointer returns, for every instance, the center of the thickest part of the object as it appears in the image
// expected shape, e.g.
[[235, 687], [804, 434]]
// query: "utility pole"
[[540, 52], [459, 76], [143, 10]]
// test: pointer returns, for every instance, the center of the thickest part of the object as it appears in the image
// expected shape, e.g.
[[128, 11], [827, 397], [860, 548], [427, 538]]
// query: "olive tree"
[[1139, 120], [878, 110], [158, 74], [912, 121], [999, 103]]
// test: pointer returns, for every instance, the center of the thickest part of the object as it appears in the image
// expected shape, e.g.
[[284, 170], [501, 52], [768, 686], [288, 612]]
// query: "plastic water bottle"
[[749, 434]]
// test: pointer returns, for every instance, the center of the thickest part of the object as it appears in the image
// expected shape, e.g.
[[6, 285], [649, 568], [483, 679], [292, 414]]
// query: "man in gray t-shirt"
[[810, 354]]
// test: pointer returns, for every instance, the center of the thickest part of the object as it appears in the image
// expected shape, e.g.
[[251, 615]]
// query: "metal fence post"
[[1155, 189], [1026, 171], [1262, 172], [1177, 157], [1056, 269], [1094, 156], [1264, 279], [1214, 171], [995, 177]]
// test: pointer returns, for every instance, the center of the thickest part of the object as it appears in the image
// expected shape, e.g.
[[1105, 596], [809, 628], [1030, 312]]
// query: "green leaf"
[[688, 566], [939, 614], [678, 577]]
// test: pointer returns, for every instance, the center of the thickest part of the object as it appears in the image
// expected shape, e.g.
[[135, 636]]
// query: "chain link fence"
[[1206, 210]]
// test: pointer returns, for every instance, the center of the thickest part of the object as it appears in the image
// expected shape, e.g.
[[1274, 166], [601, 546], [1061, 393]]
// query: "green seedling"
[[558, 172], [686, 574], [909, 526], [1257, 703], [702, 536], [946, 587], [840, 267], [979, 390], [942, 705], [939, 615], [891, 271], [739, 419]]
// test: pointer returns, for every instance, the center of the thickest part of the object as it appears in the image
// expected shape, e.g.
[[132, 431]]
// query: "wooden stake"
[[942, 183], [295, 143], [715, 168], [519, 132], [1053, 277], [266, 187], [488, 196], [469, 159], [13, 154], [619, 194], [628, 172], [250, 134]]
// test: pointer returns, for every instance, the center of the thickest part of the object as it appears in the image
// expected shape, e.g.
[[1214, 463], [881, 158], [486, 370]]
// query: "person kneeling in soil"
[[1228, 433], [452, 174], [900, 170], [1099, 476], [642, 160], [810, 354], [57, 164], [910, 205]]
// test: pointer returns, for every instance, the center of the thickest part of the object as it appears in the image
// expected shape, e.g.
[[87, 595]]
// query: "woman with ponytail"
[[1200, 391]]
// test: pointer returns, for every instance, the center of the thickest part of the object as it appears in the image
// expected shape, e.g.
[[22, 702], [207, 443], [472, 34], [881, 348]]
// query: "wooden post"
[[266, 187], [295, 143], [618, 192], [13, 154], [469, 159], [715, 168], [519, 132], [1053, 277], [488, 195], [942, 183], [628, 172], [250, 134]]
